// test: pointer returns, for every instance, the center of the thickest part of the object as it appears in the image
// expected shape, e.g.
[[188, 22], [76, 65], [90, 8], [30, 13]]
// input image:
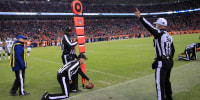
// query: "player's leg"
[[194, 55], [3, 53], [21, 83], [65, 89], [64, 59], [28, 50], [187, 58], [15, 84], [168, 89], [9, 52], [74, 85], [160, 77]]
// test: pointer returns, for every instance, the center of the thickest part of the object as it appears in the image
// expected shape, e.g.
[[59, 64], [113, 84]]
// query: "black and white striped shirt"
[[163, 42], [191, 46], [68, 45], [72, 68]]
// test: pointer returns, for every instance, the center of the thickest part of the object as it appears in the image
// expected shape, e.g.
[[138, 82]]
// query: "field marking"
[[109, 74], [104, 82], [45, 60]]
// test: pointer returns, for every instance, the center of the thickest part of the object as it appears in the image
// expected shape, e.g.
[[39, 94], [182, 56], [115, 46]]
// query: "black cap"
[[68, 29], [81, 55]]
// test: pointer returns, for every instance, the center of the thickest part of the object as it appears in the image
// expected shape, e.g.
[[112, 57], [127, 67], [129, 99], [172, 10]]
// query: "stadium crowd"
[[51, 31], [14, 6], [96, 29]]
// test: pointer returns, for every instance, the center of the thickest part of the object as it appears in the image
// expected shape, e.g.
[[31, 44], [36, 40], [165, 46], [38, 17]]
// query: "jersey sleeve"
[[154, 31], [82, 74], [172, 50], [67, 42]]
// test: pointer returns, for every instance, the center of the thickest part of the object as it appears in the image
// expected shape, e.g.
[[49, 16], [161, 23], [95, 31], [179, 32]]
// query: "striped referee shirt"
[[72, 68], [163, 42], [191, 46], [68, 45]]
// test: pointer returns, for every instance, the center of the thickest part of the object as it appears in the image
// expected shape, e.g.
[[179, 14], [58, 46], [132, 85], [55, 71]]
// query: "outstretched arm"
[[137, 13], [154, 31]]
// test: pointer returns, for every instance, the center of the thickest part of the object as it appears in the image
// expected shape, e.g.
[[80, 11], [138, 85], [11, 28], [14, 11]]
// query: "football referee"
[[64, 77], [188, 50], [164, 52], [69, 54]]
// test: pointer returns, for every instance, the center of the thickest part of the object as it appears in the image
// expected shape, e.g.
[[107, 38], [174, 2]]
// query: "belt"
[[163, 58]]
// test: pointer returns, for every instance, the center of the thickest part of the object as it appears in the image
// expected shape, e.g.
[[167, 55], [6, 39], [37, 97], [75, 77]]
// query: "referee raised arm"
[[164, 52]]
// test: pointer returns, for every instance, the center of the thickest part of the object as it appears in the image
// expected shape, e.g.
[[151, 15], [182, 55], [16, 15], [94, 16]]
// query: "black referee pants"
[[187, 54], [162, 78], [66, 59], [19, 82], [64, 83]]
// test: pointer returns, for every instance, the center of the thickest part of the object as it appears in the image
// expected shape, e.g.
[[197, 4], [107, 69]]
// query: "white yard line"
[[109, 74]]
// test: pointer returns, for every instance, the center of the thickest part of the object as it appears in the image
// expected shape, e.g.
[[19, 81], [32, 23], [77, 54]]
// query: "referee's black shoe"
[[75, 91], [25, 93], [13, 94], [44, 96]]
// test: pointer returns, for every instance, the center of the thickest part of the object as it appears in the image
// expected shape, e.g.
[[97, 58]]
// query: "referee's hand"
[[137, 13], [70, 82]]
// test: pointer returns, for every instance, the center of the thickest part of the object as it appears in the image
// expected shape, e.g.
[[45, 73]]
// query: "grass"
[[109, 63], [190, 94]]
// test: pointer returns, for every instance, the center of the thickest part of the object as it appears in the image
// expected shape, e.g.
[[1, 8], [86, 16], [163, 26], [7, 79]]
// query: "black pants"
[[187, 54], [66, 59], [64, 83], [19, 82], [162, 78]]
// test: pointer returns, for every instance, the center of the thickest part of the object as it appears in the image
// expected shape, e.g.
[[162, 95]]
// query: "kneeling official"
[[64, 78]]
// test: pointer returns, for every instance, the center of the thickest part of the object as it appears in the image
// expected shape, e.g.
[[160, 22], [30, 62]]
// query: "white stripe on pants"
[[187, 58], [21, 82], [158, 80], [65, 89], [65, 58]]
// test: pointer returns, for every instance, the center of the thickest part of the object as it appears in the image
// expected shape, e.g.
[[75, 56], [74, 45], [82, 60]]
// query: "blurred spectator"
[[42, 6]]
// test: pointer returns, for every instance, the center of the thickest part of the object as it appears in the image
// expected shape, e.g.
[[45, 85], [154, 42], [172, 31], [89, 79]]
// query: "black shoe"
[[44, 96], [25, 93], [13, 94], [76, 91]]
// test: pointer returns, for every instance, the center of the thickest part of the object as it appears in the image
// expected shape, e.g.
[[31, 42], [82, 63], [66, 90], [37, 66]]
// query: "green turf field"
[[109, 65]]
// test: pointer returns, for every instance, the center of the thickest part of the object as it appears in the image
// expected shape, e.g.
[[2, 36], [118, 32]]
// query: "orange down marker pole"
[[77, 9]]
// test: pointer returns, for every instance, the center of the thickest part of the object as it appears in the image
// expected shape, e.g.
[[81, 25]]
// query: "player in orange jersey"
[[28, 46]]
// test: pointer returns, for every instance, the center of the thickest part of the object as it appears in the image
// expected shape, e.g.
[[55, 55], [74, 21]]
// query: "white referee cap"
[[161, 21]]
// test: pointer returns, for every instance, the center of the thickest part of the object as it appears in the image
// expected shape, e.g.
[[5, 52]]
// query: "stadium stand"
[[103, 29], [30, 6], [100, 29]]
